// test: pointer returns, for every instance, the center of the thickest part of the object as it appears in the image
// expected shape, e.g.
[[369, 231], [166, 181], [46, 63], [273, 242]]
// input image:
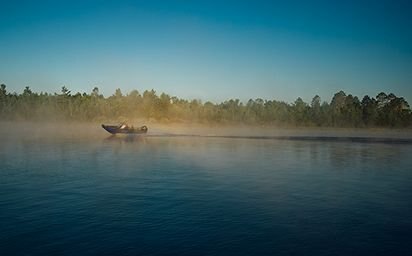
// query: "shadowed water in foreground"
[[165, 194]]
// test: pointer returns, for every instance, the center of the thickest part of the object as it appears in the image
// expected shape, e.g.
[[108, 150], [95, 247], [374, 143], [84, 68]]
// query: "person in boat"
[[124, 126]]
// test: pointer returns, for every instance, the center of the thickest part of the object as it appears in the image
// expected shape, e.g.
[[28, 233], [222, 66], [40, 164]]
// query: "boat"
[[125, 129]]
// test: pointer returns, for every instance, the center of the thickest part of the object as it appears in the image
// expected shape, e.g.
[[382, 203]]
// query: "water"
[[165, 195]]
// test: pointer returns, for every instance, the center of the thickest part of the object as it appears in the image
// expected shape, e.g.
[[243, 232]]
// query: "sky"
[[209, 50]]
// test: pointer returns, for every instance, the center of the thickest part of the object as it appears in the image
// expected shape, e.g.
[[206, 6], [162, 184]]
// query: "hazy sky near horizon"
[[210, 50]]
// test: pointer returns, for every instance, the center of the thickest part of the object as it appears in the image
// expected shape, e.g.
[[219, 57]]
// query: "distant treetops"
[[385, 110]]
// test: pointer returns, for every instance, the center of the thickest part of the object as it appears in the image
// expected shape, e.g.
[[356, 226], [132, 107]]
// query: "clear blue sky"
[[211, 50]]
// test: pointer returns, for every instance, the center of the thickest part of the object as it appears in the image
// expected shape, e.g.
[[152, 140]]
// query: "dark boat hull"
[[114, 129]]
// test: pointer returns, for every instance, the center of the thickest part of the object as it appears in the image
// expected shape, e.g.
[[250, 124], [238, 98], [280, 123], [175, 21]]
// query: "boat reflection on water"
[[127, 138]]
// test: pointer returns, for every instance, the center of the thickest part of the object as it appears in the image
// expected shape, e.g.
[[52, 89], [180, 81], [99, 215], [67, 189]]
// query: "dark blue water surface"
[[204, 196]]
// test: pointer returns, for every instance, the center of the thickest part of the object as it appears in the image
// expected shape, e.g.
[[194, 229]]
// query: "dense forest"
[[344, 110]]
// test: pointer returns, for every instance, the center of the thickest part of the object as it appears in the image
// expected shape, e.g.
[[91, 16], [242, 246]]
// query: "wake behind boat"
[[125, 129]]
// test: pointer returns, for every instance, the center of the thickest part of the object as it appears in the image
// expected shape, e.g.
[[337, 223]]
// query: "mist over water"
[[74, 189], [81, 130]]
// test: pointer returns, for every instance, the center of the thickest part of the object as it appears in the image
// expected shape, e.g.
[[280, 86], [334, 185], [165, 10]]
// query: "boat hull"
[[114, 129]]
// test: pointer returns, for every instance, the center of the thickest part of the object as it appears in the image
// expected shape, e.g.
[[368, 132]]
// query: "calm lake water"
[[165, 195]]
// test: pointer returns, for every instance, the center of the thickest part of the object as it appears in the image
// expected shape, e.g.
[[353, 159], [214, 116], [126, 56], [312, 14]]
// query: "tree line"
[[344, 110]]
